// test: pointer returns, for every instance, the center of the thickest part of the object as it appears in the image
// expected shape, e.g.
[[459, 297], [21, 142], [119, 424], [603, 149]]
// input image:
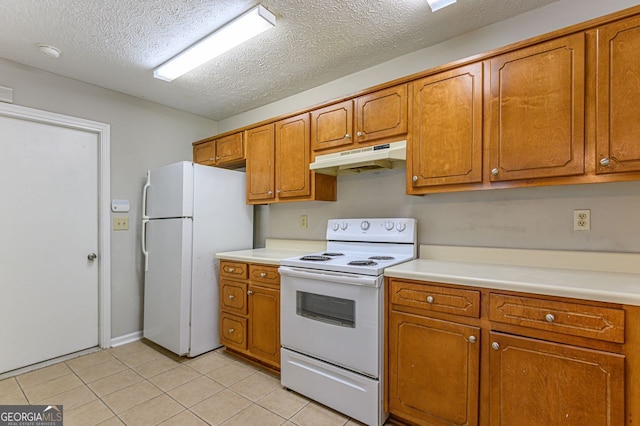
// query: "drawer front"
[[236, 270], [574, 319], [264, 274], [233, 331], [435, 298], [233, 296]]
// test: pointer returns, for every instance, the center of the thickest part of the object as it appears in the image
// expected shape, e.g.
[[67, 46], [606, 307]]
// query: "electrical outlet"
[[304, 222], [120, 223], [582, 220]]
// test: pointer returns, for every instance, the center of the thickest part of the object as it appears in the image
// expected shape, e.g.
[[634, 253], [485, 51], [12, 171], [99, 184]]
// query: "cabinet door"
[[332, 126], [533, 382], [205, 153], [537, 111], [446, 143], [293, 177], [233, 296], [264, 324], [433, 370], [260, 166], [230, 149], [381, 114], [618, 97], [233, 331]]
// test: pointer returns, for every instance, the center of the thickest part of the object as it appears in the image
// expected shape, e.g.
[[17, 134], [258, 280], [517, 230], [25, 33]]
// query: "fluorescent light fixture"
[[241, 29], [439, 4]]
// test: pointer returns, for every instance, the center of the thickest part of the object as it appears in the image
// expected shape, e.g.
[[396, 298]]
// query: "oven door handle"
[[335, 277]]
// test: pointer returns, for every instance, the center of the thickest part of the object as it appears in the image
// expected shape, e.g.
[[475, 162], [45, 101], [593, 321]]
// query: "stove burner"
[[316, 258], [382, 258], [362, 263], [333, 254]]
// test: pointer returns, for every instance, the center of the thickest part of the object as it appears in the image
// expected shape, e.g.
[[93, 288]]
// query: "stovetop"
[[362, 246]]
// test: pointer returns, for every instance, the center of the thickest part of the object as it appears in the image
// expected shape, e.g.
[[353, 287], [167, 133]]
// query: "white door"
[[49, 216], [167, 283]]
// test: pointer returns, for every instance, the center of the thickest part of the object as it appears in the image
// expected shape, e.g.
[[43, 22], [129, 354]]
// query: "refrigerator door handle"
[[145, 189], [144, 244]]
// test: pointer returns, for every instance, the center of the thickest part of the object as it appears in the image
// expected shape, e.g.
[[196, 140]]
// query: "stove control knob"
[[388, 226], [344, 226], [365, 225], [401, 226], [335, 226]]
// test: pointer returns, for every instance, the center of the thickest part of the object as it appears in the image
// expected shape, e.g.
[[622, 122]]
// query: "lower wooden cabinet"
[[534, 382], [525, 360], [434, 369], [250, 311]]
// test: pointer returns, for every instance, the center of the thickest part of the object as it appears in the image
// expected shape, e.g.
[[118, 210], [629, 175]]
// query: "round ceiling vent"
[[49, 50]]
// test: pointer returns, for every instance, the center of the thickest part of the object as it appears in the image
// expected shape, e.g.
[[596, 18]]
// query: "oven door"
[[333, 317]]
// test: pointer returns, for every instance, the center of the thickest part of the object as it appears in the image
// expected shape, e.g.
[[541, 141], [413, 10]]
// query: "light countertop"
[[274, 251], [565, 281]]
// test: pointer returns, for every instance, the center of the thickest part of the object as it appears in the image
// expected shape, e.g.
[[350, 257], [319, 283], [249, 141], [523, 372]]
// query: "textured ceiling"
[[117, 43]]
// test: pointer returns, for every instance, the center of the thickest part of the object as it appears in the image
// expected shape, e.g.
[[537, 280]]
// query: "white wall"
[[144, 135], [526, 217]]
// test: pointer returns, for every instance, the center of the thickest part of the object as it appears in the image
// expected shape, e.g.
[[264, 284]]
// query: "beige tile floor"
[[140, 384]]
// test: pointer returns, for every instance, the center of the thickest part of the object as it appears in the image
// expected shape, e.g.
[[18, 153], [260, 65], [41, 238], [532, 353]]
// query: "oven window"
[[331, 310]]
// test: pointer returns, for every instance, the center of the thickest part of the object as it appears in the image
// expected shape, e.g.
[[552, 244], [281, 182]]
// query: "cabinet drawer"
[[233, 296], [233, 331], [574, 319], [436, 298], [233, 270], [264, 274]]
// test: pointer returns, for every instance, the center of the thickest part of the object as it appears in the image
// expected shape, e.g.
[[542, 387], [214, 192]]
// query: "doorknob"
[[92, 256]]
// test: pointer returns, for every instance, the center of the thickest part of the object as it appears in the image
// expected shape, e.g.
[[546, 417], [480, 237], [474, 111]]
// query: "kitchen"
[[536, 218]]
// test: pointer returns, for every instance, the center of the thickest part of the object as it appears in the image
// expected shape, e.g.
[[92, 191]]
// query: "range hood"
[[385, 156]]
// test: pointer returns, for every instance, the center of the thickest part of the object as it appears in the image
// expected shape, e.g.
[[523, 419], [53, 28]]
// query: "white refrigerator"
[[189, 213]]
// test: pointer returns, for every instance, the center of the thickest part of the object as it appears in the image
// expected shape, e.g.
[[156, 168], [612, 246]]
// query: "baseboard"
[[127, 338]]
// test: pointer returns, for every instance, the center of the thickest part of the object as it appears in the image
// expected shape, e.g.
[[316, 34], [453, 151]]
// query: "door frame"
[[102, 131]]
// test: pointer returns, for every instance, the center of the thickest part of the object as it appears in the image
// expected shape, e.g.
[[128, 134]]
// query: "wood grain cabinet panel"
[[433, 298], [233, 296], [445, 146], [264, 274], [293, 153], [260, 164], [537, 111], [332, 126], [233, 331], [434, 370], [574, 319], [230, 150], [205, 153], [237, 270], [533, 383], [618, 97], [264, 324], [381, 114]]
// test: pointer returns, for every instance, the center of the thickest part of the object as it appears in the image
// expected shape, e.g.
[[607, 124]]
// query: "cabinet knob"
[[605, 162], [263, 274], [430, 299], [231, 330], [359, 134], [347, 136], [210, 158], [415, 178], [550, 318], [278, 191], [249, 292], [472, 339], [231, 297], [495, 172], [270, 192], [495, 346], [217, 158], [231, 269]]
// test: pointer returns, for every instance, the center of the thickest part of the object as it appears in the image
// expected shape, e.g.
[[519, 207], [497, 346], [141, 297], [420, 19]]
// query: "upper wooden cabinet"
[[536, 115], [618, 97], [278, 156], [445, 145], [227, 151], [378, 115]]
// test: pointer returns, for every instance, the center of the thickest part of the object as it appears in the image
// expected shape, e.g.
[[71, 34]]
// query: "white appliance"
[[189, 213], [332, 313]]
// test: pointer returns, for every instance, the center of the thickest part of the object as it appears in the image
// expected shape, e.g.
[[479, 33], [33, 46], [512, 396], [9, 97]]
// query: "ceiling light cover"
[[439, 4], [241, 29], [49, 50]]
